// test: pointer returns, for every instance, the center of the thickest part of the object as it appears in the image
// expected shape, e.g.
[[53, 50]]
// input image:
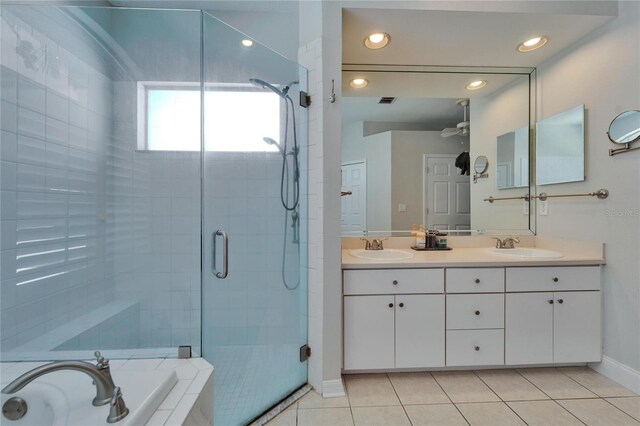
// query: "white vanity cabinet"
[[384, 329], [475, 317], [544, 327]]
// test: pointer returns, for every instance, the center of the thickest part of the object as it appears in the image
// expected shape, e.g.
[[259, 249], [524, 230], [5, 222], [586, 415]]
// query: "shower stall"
[[154, 196]]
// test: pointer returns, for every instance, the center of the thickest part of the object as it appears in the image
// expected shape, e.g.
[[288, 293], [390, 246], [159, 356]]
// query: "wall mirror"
[[625, 128], [480, 166], [410, 140], [512, 167], [560, 147]]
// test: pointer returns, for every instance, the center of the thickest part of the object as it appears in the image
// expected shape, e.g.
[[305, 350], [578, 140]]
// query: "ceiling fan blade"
[[449, 131]]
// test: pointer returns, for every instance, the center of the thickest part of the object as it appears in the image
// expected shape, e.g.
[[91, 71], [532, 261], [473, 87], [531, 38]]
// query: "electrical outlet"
[[525, 208], [543, 209]]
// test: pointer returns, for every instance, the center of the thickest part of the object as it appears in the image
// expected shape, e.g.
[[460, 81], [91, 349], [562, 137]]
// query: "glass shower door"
[[254, 283]]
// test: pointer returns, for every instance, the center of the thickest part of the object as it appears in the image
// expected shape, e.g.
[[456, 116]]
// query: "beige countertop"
[[470, 257]]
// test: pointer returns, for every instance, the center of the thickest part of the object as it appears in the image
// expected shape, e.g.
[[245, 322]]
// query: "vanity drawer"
[[475, 280], [393, 281], [565, 278], [475, 311], [475, 347]]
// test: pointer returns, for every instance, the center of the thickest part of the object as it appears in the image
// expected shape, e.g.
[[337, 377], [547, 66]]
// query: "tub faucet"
[[100, 373]]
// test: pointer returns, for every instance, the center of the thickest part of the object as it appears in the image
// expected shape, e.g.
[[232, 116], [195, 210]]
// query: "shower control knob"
[[391, 305]]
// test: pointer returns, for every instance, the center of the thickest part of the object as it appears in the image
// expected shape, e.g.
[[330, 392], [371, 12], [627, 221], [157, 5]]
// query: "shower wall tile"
[[52, 242]]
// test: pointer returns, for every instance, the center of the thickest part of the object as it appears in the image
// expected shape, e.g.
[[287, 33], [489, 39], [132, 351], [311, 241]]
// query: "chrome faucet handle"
[[102, 361], [510, 242], [117, 408], [376, 244]]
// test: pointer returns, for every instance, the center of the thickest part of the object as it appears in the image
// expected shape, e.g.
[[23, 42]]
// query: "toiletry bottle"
[[413, 230], [421, 238]]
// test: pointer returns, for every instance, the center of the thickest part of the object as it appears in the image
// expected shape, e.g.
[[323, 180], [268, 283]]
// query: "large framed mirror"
[[409, 139]]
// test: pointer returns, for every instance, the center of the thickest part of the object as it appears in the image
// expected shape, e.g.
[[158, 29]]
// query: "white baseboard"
[[618, 372], [332, 388]]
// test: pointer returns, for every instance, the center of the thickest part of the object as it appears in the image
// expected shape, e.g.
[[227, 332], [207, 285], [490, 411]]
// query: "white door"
[[420, 331], [447, 193], [354, 206], [576, 327], [368, 332], [529, 328]]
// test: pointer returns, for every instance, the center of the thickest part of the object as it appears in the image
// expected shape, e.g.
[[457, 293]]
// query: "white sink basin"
[[525, 252], [386, 254]]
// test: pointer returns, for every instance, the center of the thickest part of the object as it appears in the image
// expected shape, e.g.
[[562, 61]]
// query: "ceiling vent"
[[387, 100]]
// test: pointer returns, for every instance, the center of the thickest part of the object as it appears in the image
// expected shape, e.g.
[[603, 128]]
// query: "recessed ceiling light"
[[246, 42], [359, 83], [377, 40], [533, 43], [475, 85]]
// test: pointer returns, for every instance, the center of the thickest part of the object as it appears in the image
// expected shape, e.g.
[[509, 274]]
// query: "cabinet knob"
[[560, 301], [391, 305], [401, 305], [395, 282], [477, 280], [550, 301], [477, 348], [555, 279], [477, 312]]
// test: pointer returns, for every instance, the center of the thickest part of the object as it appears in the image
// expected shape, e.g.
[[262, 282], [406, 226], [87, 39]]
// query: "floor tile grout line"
[[346, 392], [620, 409], [499, 397], [447, 395], [533, 384], [589, 389], [400, 400]]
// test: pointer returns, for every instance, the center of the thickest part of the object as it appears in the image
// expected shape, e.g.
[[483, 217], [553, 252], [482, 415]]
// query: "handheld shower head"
[[270, 141], [264, 85]]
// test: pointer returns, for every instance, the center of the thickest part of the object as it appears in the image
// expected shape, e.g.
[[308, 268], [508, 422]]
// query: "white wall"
[[407, 170], [603, 72], [376, 150], [500, 113]]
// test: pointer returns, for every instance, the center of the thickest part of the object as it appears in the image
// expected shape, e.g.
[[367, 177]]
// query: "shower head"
[[270, 141], [264, 85]]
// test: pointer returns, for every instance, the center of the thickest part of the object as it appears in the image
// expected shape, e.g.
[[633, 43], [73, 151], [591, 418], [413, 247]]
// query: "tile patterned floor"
[[540, 396]]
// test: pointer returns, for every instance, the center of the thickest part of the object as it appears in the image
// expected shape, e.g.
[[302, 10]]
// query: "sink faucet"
[[507, 243], [375, 244], [100, 373]]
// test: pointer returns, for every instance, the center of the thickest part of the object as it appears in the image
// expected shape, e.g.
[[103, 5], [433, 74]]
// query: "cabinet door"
[[529, 328], [577, 332], [368, 332], [419, 331]]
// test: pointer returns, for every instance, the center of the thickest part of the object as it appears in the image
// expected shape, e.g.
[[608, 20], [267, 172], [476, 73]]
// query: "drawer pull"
[[401, 305], [550, 301], [477, 312], [477, 348], [477, 280], [560, 301], [391, 305], [395, 282], [555, 279]]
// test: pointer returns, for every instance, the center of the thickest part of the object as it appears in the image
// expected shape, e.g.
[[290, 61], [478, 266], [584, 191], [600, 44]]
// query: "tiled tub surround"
[[543, 396], [167, 391]]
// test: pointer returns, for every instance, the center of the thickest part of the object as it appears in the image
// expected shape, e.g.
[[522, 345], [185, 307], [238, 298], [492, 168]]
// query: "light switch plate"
[[543, 208], [402, 207]]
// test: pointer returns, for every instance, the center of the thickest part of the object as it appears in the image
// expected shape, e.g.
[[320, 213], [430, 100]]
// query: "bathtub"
[[64, 397]]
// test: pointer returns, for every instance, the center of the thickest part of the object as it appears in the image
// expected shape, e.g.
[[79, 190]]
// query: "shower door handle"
[[225, 254]]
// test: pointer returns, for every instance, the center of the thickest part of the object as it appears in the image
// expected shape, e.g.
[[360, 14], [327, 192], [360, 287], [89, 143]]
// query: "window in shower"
[[238, 117]]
